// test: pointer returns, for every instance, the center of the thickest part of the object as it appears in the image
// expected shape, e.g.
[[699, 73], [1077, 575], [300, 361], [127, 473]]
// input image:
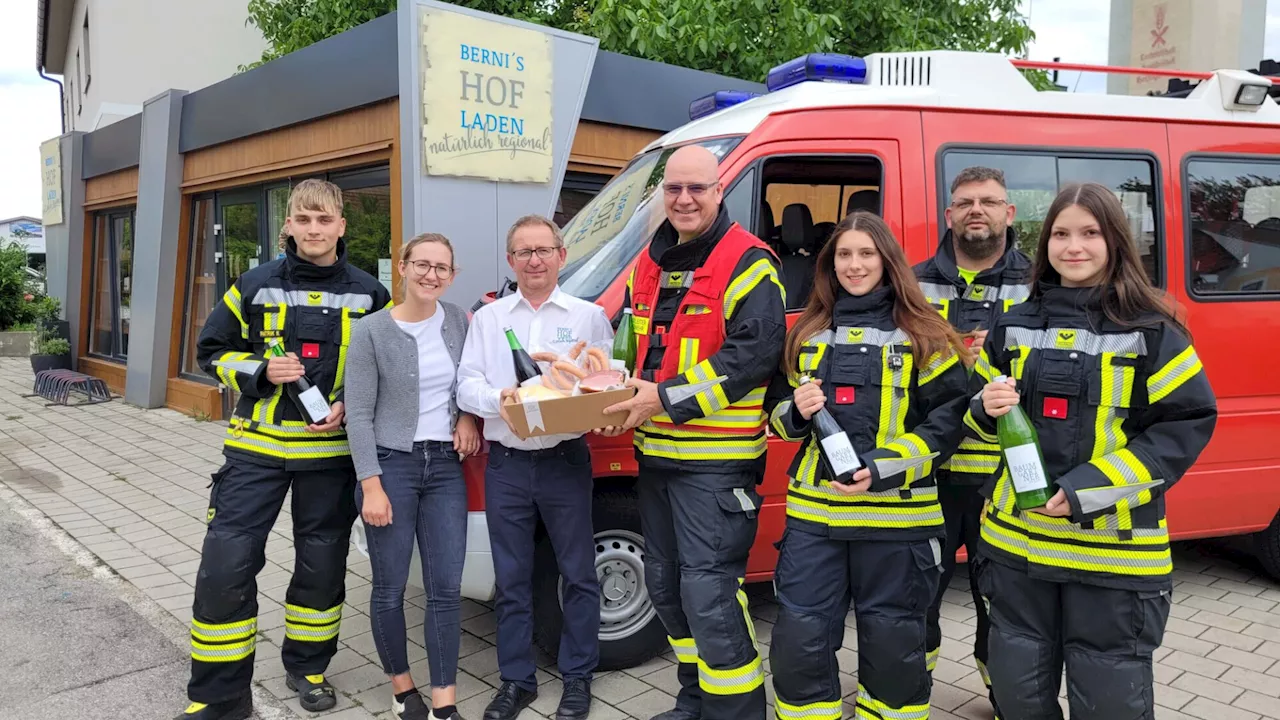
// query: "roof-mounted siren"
[[718, 101], [818, 67], [1241, 90]]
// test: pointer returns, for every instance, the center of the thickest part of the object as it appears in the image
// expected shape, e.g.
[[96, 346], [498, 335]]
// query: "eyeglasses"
[[695, 189], [422, 267], [544, 253], [988, 203]]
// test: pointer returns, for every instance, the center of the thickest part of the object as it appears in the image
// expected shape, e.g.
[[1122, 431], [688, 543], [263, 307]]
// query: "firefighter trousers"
[[890, 584], [243, 505], [698, 529], [962, 511], [1105, 636]]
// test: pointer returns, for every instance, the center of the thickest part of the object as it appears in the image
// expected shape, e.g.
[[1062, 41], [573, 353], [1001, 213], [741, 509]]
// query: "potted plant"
[[51, 351]]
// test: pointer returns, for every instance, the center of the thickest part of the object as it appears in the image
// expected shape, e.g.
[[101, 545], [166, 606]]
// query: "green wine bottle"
[[1022, 454], [526, 368], [624, 341], [310, 401]]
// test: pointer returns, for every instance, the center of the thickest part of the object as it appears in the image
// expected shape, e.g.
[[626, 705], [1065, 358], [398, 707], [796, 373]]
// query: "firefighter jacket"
[[1121, 413], [710, 320], [968, 307], [901, 412], [312, 308]]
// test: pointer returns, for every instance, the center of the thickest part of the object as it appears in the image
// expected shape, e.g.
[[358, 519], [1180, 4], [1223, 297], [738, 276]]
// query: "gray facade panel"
[[346, 71], [642, 93], [111, 148]]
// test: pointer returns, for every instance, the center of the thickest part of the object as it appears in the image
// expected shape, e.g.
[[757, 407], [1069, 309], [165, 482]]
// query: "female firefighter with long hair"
[[888, 368], [1122, 408]]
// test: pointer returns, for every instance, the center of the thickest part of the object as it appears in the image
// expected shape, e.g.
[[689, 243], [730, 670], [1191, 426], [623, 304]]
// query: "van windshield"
[[608, 232]]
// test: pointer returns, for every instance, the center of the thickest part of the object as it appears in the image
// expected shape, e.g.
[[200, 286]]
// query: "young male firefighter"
[[309, 300], [710, 319], [976, 275]]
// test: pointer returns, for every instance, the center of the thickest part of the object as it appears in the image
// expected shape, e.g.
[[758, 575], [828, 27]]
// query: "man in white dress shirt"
[[548, 476]]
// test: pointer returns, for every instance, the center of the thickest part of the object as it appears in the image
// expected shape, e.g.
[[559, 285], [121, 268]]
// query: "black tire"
[[639, 636], [1266, 547]]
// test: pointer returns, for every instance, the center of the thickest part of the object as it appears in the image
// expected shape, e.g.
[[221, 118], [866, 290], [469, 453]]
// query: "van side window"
[[803, 199], [1234, 208], [1034, 178]]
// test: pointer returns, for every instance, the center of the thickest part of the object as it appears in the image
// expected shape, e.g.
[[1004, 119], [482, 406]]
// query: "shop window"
[[1033, 179], [111, 286], [202, 286], [1234, 207], [366, 199]]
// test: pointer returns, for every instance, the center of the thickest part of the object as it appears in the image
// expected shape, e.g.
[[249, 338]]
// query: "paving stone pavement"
[[130, 485]]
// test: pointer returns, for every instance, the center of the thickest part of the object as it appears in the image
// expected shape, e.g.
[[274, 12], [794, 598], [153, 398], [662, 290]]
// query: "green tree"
[[738, 38]]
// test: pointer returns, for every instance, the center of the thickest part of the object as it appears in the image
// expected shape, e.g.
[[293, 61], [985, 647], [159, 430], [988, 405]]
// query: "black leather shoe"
[[575, 703], [238, 709], [509, 701], [677, 713]]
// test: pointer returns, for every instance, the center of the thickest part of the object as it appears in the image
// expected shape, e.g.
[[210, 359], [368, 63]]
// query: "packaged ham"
[[602, 381]]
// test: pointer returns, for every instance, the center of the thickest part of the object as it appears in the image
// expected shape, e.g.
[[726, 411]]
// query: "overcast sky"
[[1075, 30]]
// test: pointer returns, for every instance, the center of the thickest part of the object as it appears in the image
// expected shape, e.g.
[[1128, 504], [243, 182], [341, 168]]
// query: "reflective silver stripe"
[[981, 293], [677, 279], [891, 466], [310, 634], [222, 653], [744, 500], [735, 681], [247, 367], [1124, 555], [829, 710], [826, 337], [225, 632], [700, 451], [1094, 500], [936, 291], [1077, 339], [1017, 293], [868, 336], [313, 298], [685, 649], [677, 394], [878, 709]]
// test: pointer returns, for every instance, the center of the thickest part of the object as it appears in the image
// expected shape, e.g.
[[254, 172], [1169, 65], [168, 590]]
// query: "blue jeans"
[[428, 503]]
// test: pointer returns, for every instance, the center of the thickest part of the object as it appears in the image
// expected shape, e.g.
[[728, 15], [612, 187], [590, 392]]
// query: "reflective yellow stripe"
[[227, 375], [223, 642], [730, 447], [893, 396], [1173, 375], [886, 509], [217, 632], [936, 366], [972, 424], [230, 652], [931, 659], [733, 681], [747, 281], [869, 708], [297, 612], [287, 442], [1017, 361], [1116, 392], [972, 463], [686, 649], [982, 671], [307, 625], [983, 367], [232, 300], [776, 419], [828, 710], [340, 376]]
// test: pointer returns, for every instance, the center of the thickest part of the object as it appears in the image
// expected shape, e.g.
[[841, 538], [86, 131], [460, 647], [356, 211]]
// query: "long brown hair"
[[929, 332], [1127, 296]]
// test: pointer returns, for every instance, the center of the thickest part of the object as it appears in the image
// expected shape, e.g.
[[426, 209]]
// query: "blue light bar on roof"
[[831, 67], [718, 100]]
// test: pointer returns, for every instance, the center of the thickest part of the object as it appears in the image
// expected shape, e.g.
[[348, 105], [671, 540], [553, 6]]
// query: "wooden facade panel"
[[119, 185], [598, 147], [193, 398], [112, 373], [365, 127]]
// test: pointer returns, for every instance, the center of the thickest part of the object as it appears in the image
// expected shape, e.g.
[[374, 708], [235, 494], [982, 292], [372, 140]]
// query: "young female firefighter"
[[1122, 408], [888, 367]]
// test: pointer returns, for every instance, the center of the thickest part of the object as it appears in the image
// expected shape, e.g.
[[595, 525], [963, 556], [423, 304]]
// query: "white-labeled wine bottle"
[[834, 446], [310, 401], [1022, 454]]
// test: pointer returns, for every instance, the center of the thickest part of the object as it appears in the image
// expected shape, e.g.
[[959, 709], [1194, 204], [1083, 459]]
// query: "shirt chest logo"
[[1065, 339], [855, 335], [315, 298], [564, 335]]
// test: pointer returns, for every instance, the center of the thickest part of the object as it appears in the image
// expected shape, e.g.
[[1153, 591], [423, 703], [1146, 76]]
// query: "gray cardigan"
[[382, 385]]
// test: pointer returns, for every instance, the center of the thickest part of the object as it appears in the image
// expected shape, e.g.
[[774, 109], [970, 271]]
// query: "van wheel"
[[630, 631], [1266, 547]]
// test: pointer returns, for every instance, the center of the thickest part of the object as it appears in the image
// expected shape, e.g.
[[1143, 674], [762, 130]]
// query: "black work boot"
[[575, 703], [315, 694], [509, 701], [237, 709], [676, 713]]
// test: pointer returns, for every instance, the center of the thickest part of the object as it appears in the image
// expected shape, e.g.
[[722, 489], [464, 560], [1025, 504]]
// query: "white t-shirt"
[[435, 378]]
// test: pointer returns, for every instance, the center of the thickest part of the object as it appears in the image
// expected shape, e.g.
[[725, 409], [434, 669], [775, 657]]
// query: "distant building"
[[1182, 35], [114, 55]]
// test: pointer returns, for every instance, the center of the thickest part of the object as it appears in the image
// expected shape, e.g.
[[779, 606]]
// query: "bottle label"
[[1025, 468], [840, 454], [317, 407]]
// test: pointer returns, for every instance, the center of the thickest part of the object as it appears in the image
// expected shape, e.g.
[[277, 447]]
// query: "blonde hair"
[[533, 220], [316, 196], [408, 247]]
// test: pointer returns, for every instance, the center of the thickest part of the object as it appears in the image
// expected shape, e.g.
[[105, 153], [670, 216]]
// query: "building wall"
[[1199, 35], [118, 72]]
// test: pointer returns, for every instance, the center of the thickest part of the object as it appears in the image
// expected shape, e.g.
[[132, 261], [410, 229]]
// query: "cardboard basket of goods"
[[570, 396]]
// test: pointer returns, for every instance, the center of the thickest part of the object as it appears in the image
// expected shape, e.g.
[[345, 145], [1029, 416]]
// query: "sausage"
[[546, 357], [569, 368], [577, 349], [599, 361], [558, 380]]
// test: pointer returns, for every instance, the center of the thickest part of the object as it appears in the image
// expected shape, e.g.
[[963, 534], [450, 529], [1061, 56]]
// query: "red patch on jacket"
[[1055, 408], [310, 350], [844, 396]]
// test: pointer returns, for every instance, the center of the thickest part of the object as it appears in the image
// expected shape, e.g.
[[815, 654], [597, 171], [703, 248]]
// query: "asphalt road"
[[70, 646]]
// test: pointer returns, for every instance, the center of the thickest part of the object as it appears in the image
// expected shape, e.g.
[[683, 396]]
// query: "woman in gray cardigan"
[[408, 440]]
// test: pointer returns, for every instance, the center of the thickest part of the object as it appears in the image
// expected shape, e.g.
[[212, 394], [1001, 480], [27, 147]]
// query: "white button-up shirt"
[[487, 367]]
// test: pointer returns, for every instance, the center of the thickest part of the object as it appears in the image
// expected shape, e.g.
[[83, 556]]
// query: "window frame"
[[1059, 152], [1188, 258], [109, 215]]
